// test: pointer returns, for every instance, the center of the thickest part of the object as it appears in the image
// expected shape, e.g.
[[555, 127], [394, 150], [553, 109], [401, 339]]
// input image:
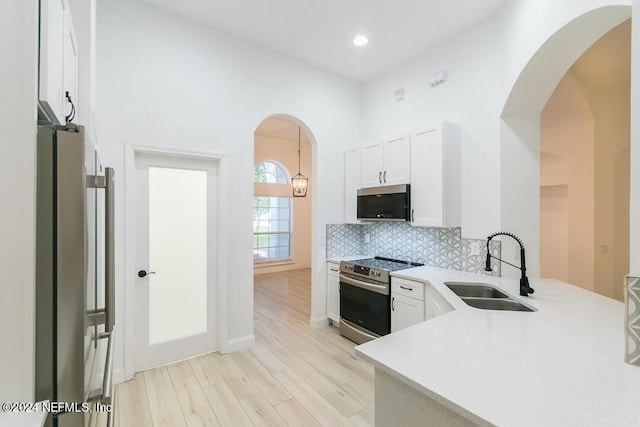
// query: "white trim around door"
[[129, 243]]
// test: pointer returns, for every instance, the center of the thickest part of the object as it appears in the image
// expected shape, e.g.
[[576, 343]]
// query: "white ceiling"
[[320, 32]]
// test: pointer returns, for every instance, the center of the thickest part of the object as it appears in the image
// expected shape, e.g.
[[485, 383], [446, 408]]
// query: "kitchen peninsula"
[[561, 365]]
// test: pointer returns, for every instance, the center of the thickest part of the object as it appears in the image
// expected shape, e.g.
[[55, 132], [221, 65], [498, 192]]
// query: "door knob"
[[143, 273]]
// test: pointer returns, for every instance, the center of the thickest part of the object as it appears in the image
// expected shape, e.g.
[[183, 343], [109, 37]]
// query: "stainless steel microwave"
[[388, 203]]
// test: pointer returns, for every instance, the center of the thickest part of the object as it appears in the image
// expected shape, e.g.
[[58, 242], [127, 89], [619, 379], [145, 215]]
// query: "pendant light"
[[299, 182]]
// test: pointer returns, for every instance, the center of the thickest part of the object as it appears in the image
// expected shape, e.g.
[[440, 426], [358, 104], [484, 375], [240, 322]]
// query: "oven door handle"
[[381, 289]]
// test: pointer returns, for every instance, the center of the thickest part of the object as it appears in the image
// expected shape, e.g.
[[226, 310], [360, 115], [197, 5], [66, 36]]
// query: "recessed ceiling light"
[[360, 40]]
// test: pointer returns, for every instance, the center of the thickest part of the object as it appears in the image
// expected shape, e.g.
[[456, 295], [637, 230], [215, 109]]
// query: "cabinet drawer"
[[408, 288], [333, 269]]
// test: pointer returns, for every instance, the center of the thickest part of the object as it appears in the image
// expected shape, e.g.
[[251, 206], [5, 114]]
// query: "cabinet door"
[[333, 292], [405, 311], [52, 40], [351, 185], [397, 160], [372, 164], [427, 177]]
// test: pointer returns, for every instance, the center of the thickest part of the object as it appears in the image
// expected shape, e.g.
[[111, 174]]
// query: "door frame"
[[221, 160]]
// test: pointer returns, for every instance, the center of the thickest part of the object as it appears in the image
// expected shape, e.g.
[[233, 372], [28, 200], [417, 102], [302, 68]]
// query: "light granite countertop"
[[562, 365]]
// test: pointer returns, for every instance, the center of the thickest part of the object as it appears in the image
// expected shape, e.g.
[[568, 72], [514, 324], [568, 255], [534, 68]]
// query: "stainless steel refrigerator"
[[74, 277]]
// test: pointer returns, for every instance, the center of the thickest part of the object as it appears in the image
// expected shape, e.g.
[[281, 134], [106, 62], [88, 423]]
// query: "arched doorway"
[[278, 216], [586, 123], [282, 223], [520, 123]]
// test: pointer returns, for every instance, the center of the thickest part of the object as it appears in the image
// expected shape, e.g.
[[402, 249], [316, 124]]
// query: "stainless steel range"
[[365, 297]]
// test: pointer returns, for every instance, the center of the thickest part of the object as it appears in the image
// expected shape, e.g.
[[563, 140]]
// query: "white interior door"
[[176, 252]]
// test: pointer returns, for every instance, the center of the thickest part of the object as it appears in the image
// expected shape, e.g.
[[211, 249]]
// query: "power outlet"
[[367, 238], [474, 248]]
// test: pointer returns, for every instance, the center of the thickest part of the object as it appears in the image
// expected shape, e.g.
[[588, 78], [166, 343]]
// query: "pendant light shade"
[[299, 183]]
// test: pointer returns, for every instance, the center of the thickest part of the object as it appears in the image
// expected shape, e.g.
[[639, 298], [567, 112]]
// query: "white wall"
[[567, 132], [18, 74], [163, 80], [470, 98], [500, 167]]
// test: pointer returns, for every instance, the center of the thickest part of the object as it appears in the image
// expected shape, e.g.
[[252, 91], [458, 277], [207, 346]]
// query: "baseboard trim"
[[318, 322], [117, 376], [237, 344]]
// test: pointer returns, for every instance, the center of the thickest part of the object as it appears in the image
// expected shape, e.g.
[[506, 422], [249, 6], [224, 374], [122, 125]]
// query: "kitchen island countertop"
[[562, 365]]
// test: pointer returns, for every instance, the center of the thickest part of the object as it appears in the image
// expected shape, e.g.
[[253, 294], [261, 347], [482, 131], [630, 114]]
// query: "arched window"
[[271, 214], [270, 172]]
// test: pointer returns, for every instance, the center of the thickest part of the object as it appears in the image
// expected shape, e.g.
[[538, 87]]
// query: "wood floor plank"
[[261, 411], [261, 377], [365, 418], [363, 393], [179, 370], [237, 380], [205, 370], [323, 411], [133, 404], [361, 370], [267, 358], [163, 402], [194, 404], [227, 408], [296, 415], [338, 397]]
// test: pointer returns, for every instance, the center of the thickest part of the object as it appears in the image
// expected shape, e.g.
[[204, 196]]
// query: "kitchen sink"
[[471, 289], [485, 296], [496, 304]]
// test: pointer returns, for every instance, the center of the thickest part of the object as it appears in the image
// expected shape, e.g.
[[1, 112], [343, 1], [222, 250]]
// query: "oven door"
[[364, 306]]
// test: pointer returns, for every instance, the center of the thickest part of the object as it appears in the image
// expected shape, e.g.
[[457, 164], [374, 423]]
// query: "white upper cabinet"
[[352, 184], [372, 164], [435, 176], [58, 58], [386, 161]]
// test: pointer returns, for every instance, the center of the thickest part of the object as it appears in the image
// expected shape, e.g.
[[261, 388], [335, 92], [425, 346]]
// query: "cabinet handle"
[[333, 269], [412, 211], [392, 301], [380, 177], [406, 289], [384, 177]]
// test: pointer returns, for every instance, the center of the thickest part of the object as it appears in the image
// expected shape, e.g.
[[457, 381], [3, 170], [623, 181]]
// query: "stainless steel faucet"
[[525, 289]]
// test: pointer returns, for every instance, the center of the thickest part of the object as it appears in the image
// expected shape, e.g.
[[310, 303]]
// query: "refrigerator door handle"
[[107, 316], [109, 258], [105, 395]]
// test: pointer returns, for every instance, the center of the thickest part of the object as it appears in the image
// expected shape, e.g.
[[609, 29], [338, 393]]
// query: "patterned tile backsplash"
[[633, 320], [437, 247]]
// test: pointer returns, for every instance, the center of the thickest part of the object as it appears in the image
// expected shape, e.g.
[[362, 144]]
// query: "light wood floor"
[[294, 376]]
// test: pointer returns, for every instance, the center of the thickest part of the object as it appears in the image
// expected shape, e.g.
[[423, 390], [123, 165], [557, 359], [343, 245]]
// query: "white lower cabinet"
[[414, 302], [407, 303], [333, 292]]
